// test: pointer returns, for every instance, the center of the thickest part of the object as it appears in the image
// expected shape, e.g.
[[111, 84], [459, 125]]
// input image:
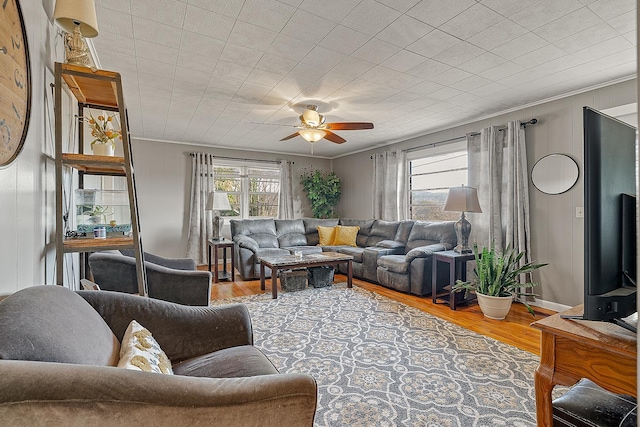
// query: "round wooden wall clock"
[[15, 82]]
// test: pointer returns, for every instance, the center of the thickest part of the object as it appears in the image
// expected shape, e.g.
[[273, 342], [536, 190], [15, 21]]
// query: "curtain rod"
[[447, 141], [246, 160]]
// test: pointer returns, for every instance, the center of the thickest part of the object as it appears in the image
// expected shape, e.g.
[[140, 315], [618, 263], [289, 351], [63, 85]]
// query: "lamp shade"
[[68, 13], [462, 199], [218, 201], [312, 135]]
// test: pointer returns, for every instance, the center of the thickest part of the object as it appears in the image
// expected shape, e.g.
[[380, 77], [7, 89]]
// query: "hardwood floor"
[[513, 330]]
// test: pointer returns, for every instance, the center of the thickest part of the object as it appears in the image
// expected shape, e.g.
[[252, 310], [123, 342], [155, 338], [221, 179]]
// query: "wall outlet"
[[579, 212]]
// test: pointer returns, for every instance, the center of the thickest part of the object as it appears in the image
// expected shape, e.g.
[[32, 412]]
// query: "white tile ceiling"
[[234, 73]]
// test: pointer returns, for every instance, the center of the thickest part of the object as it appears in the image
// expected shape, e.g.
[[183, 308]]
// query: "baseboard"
[[549, 305]]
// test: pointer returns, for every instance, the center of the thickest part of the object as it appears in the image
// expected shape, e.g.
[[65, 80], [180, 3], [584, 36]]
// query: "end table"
[[457, 271], [223, 244]]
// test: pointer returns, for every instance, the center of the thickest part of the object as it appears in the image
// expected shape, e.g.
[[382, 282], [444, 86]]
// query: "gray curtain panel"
[[498, 169], [200, 220], [389, 186], [285, 201]]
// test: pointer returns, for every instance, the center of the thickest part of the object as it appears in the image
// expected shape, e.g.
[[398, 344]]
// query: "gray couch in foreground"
[[409, 243], [59, 350]]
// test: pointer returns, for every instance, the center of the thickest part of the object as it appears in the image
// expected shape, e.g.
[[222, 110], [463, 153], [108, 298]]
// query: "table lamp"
[[78, 19], [462, 199], [217, 202]]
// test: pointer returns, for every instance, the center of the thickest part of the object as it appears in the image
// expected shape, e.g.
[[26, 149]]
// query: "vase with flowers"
[[104, 133]]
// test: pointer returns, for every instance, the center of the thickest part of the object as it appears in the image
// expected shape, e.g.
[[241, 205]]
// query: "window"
[[431, 173], [253, 191]]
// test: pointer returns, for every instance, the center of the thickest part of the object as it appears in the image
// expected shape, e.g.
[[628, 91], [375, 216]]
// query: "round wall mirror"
[[554, 173]]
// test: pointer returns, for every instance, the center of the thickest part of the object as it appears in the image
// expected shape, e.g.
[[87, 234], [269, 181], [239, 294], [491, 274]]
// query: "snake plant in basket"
[[496, 280]]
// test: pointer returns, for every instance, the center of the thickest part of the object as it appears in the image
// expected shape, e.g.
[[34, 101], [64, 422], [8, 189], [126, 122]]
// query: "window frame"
[[437, 150], [245, 178]]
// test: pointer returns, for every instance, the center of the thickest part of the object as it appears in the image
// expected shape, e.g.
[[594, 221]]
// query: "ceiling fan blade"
[[348, 126], [293, 135], [333, 137]]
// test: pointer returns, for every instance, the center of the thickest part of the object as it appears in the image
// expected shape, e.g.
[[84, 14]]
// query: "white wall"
[[27, 194], [557, 235], [163, 181]]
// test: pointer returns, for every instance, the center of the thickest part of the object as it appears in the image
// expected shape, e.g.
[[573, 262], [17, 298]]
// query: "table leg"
[[543, 381], [261, 276], [274, 282], [452, 279], [224, 260], [215, 265], [209, 257], [233, 264], [350, 274], [434, 280]]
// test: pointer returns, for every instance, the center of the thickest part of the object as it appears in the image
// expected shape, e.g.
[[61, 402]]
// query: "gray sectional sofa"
[[395, 254]]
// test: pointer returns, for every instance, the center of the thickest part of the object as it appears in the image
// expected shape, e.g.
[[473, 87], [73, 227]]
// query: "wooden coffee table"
[[281, 262]]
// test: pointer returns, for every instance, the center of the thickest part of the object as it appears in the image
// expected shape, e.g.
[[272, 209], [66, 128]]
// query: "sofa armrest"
[[397, 246], [182, 331], [175, 263], [188, 287], [425, 251], [247, 243], [37, 393]]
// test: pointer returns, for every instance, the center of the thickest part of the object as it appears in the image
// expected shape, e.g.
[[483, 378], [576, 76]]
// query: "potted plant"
[[323, 191], [97, 214], [496, 281], [104, 133]]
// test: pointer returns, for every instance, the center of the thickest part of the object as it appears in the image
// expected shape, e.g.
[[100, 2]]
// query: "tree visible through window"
[[253, 191], [430, 178]]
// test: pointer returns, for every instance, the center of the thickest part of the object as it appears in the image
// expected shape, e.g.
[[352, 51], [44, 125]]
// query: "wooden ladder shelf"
[[97, 89]]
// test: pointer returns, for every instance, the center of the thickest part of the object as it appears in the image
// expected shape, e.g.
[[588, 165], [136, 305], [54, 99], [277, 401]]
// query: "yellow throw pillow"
[[326, 235], [141, 352], [346, 235]]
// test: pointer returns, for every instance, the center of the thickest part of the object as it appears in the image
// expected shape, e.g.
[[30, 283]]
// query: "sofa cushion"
[[355, 252], [263, 231], [141, 352], [290, 232], [404, 229], [311, 228], [224, 364], [326, 235], [425, 233], [365, 228], [54, 324], [346, 235], [390, 244], [394, 263], [382, 230]]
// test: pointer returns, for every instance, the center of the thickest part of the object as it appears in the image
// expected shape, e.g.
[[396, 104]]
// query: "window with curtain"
[[431, 173], [253, 190]]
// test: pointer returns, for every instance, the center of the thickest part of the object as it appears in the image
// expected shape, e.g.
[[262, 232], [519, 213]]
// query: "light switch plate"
[[579, 212]]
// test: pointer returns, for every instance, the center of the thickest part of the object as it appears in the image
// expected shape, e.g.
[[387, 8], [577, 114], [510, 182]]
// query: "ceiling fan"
[[313, 128]]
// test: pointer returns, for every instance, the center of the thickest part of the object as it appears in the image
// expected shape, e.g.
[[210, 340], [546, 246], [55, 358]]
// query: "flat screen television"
[[610, 218]]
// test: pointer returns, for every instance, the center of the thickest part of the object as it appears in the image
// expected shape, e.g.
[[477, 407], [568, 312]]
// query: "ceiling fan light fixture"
[[311, 117], [312, 135]]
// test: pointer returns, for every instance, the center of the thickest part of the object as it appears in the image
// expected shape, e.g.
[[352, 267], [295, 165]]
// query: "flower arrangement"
[[102, 130]]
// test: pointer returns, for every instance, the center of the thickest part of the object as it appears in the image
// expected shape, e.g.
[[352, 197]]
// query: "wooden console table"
[[575, 349]]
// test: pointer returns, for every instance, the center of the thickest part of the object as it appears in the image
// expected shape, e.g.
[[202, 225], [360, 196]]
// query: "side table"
[[223, 244], [457, 270]]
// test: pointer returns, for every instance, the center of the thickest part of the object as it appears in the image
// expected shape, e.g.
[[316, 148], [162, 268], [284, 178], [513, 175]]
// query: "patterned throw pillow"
[[326, 235], [346, 235], [140, 351]]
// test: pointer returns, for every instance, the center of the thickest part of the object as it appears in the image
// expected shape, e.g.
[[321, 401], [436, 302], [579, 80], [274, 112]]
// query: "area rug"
[[379, 362]]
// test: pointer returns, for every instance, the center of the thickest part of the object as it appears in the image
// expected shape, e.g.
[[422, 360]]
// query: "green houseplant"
[[496, 277], [323, 191]]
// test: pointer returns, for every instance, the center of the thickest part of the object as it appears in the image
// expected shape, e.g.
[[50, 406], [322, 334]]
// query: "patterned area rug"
[[379, 362]]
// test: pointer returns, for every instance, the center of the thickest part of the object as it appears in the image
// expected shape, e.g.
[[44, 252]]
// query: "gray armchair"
[[169, 279], [59, 350]]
